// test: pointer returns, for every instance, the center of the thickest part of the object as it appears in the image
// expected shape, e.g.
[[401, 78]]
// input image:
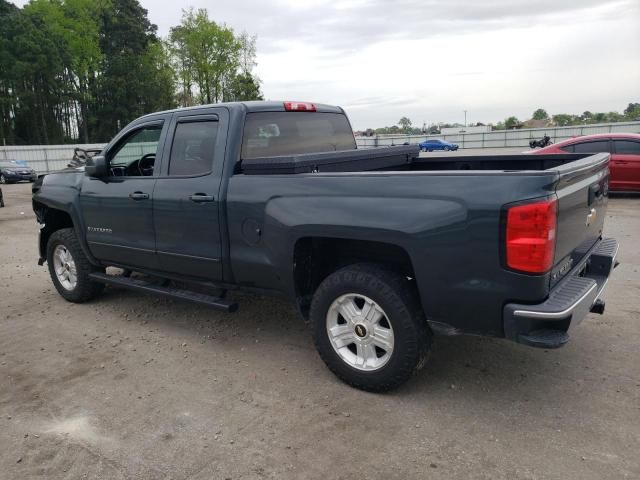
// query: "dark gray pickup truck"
[[380, 249]]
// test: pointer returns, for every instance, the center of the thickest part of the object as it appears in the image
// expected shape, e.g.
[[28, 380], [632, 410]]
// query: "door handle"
[[138, 196], [201, 197]]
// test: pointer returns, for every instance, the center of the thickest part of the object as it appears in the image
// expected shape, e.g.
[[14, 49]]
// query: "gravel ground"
[[137, 387]]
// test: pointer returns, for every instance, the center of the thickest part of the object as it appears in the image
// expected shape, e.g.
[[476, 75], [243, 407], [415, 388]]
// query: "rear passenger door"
[[186, 197], [626, 155]]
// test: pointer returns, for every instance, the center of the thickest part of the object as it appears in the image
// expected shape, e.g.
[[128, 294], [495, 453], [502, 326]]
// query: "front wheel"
[[447, 148], [69, 267], [3, 179], [369, 328]]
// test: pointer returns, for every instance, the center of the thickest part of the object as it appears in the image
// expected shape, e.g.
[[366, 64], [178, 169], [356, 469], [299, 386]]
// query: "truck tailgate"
[[582, 192]]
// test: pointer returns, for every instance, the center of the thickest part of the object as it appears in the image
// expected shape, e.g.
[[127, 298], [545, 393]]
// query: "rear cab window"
[[271, 134]]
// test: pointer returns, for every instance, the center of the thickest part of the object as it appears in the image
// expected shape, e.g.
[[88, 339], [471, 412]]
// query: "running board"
[[146, 287]]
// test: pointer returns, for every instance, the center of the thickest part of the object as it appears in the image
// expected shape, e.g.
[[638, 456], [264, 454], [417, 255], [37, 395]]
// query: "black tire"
[[398, 297], [3, 179], [85, 289], [447, 148]]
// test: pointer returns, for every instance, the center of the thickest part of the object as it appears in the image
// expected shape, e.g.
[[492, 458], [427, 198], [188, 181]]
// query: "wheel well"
[[315, 258], [53, 220]]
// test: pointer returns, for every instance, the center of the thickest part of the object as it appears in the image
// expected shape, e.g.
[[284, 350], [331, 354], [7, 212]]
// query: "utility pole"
[[465, 119]]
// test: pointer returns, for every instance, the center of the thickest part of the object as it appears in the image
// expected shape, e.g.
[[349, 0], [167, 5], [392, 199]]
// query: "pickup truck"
[[380, 249]]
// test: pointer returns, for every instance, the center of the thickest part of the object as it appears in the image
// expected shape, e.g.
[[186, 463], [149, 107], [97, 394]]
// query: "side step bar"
[[146, 287]]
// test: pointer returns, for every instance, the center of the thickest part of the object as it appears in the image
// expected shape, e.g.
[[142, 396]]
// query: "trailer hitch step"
[[164, 291]]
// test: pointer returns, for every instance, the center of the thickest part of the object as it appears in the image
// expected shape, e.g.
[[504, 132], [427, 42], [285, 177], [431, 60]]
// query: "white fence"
[[48, 158], [504, 138], [42, 158]]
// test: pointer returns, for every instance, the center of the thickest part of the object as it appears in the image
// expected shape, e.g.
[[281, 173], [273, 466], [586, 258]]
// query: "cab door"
[[626, 156], [118, 209], [187, 206]]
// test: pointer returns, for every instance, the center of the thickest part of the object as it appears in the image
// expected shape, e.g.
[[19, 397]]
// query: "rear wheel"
[[369, 328], [69, 267]]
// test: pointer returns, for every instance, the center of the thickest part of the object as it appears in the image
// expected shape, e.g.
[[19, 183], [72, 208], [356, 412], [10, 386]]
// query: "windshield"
[[270, 134]]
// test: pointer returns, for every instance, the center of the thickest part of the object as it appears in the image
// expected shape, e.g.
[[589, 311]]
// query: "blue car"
[[16, 171], [435, 144]]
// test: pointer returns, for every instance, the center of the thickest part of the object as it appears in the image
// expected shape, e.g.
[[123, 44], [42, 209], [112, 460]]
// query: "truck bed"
[[400, 158]]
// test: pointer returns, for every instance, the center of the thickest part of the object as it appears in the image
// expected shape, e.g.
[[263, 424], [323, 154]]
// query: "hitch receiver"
[[598, 307]]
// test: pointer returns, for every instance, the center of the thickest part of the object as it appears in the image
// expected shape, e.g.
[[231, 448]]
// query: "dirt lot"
[[138, 387]]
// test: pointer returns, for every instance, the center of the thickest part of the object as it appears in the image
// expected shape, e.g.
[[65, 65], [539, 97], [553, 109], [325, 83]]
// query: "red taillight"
[[531, 236], [299, 107]]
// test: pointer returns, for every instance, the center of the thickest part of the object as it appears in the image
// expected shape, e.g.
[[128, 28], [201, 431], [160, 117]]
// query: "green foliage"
[[511, 122], [563, 119], [405, 124], [632, 112], [540, 114], [79, 70], [211, 62], [243, 87]]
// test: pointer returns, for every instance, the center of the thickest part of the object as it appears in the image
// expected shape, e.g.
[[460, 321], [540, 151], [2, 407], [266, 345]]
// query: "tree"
[[563, 119], [540, 114], [511, 122], [243, 87], [31, 78], [405, 124], [631, 108], [75, 70], [74, 24], [209, 52], [632, 112], [129, 85]]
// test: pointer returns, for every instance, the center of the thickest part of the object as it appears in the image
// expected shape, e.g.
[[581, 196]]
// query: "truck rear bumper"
[[548, 324]]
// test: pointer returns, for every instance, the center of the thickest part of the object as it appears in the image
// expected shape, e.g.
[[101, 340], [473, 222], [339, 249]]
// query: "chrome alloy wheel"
[[65, 267], [360, 332]]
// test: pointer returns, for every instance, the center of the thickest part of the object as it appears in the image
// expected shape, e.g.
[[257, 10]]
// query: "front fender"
[[61, 192]]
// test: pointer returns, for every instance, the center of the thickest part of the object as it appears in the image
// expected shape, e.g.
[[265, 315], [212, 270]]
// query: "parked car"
[[16, 171], [275, 198], [625, 156], [436, 144]]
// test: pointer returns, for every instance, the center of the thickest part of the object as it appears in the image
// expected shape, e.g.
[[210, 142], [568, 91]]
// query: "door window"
[[592, 147], [193, 148], [136, 154], [627, 147]]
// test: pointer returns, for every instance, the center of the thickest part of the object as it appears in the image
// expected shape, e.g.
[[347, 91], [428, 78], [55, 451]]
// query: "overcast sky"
[[432, 59]]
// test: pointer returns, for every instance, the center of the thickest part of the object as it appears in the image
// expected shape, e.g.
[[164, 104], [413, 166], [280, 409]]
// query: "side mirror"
[[96, 167]]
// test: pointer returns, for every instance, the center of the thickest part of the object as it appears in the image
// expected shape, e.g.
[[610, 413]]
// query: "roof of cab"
[[252, 106]]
